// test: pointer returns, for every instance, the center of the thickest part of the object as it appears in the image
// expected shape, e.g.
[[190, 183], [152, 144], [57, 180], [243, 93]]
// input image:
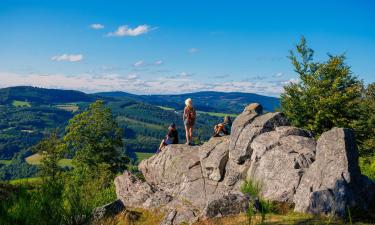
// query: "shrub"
[[251, 188]]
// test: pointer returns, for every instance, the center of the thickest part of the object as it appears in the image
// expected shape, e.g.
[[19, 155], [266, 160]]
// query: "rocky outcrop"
[[279, 160], [334, 181], [190, 182]]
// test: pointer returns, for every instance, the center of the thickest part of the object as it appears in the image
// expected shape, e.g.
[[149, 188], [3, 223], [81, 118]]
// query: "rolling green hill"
[[27, 114]]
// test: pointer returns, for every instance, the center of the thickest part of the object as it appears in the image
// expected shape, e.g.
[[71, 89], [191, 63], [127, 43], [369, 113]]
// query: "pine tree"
[[327, 94]]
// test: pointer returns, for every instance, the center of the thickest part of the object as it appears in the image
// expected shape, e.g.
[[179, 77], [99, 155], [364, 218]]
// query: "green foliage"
[[251, 188], [326, 96], [365, 125], [17, 168], [16, 103], [95, 138], [367, 165], [52, 150]]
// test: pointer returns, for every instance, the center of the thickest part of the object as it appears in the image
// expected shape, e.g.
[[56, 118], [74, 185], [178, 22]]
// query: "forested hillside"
[[27, 114]]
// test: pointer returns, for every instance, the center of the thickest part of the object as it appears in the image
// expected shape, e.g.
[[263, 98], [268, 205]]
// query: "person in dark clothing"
[[170, 138], [223, 128]]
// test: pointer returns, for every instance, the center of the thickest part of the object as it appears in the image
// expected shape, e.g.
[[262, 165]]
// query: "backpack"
[[191, 114]]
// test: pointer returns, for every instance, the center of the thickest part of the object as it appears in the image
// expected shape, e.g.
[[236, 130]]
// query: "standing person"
[[189, 117], [170, 138]]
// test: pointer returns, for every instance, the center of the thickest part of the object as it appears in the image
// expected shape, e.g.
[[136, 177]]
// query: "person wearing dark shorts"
[[170, 138]]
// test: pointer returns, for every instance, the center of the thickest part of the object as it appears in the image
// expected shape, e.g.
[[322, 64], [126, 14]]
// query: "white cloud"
[[132, 76], [279, 75], [124, 30], [193, 50], [133, 83], [96, 26], [158, 62], [138, 63], [67, 57]]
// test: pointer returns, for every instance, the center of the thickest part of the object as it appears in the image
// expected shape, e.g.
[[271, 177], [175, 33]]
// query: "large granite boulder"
[[240, 145], [334, 181], [278, 161], [240, 150]]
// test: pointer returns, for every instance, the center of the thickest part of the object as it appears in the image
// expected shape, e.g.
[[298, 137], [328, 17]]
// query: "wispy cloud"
[[132, 76], [67, 57], [96, 26], [193, 50], [279, 74], [180, 83], [125, 30], [138, 63], [182, 75], [158, 62]]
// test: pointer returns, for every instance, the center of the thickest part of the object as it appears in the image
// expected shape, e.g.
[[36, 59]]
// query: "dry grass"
[[134, 217], [144, 217]]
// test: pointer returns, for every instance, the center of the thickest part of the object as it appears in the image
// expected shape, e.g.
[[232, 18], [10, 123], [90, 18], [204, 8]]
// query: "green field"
[[144, 124], [36, 160], [142, 155], [218, 114], [65, 162], [21, 104], [166, 108], [5, 162], [30, 180], [71, 107]]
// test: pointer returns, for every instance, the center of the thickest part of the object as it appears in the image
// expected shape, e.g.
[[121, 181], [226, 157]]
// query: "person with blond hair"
[[189, 117]]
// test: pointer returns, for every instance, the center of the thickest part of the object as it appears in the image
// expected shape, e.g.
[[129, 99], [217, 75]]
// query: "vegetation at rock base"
[[68, 196]]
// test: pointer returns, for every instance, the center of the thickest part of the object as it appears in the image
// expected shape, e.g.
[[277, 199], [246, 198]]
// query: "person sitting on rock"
[[224, 128], [170, 138]]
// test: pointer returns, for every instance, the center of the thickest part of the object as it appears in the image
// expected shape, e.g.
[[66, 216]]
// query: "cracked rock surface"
[[191, 182]]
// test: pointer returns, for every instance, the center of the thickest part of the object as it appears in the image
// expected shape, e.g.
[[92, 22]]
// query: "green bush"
[[367, 165], [251, 187]]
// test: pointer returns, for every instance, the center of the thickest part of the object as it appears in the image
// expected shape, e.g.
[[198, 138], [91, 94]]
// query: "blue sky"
[[165, 47]]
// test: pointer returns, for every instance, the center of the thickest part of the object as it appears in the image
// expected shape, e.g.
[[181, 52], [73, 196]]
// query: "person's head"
[[227, 119], [189, 102], [172, 126]]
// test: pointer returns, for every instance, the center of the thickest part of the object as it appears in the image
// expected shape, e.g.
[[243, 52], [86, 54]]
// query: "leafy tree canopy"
[[327, 94], [95, 138]]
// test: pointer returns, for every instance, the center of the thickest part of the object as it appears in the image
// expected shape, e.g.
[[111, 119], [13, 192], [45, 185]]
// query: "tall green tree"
[[95, 139], [327, 94], [365, 125], [50, 148]]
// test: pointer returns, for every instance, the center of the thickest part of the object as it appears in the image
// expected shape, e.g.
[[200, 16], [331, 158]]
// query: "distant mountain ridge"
[[42, 95], [210, 101]]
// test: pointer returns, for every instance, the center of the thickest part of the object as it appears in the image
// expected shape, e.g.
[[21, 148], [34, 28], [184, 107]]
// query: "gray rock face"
[[279, 160], [240, 145], [214, 157], [131, 190], [333, 181], [229, 204], [107, 210], [188, 182]]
